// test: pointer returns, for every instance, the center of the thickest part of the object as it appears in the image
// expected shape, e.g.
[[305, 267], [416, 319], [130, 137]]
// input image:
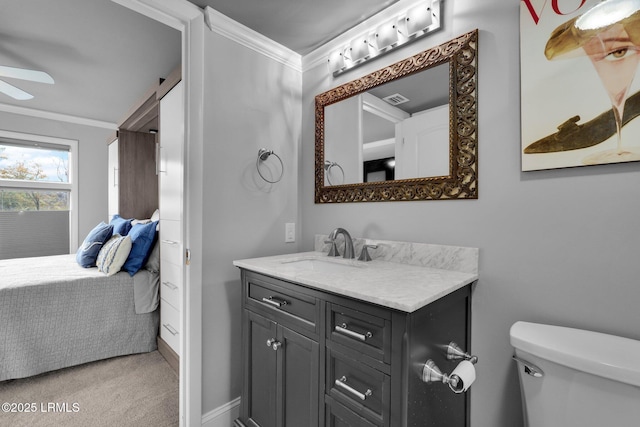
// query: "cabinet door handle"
[[342, 383], [276, 302], [343, 329], [157, 158], [169, 242], [161, 163], [170, 285], [170, 328], [274, 344]]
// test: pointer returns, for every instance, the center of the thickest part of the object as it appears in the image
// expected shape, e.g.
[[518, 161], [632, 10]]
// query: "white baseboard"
[[222, 416]]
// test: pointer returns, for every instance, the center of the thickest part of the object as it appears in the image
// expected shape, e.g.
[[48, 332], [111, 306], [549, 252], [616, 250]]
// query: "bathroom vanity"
[[335, 342]]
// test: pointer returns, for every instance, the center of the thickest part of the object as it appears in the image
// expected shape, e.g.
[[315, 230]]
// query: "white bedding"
[[54, 314], [23, 272]]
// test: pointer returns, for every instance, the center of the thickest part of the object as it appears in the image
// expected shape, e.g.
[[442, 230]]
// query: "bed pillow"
[[153, 263], [140, 221], [88, 252], [113, 254], [121, 226], [142, 239]]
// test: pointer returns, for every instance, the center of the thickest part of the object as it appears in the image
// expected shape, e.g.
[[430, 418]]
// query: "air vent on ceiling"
[[396, 99]]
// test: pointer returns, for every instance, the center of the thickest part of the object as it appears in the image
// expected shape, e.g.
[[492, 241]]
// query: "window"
[[38, 197]]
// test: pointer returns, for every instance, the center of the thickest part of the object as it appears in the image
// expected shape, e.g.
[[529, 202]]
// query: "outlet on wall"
[[290, 232]]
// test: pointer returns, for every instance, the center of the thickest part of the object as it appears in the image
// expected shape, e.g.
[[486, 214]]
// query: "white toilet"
[[576, 378]]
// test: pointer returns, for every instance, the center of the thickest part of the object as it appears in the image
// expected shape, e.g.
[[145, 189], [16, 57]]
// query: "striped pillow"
[[113, 254]]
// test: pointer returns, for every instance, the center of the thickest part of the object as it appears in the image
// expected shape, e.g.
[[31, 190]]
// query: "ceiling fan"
[[21, 74]]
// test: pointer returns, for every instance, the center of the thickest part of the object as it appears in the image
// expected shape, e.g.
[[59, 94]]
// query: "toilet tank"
[[576, 378]]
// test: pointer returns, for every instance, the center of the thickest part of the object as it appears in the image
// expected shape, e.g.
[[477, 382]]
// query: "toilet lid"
[[608, 356]]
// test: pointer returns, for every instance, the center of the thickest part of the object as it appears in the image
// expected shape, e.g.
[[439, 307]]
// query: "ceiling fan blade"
[[14, 92], [24, 74]]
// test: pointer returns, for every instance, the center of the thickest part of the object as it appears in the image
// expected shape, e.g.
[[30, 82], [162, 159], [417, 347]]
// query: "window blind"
[[33, 233]]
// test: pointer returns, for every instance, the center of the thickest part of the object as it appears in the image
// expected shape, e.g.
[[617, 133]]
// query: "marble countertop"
[[394, 285]]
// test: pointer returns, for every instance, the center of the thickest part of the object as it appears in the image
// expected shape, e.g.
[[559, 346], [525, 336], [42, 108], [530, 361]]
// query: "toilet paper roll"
[[466, 372]]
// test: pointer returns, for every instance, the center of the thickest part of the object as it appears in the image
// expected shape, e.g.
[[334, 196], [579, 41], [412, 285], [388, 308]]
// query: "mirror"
[[405, 132]]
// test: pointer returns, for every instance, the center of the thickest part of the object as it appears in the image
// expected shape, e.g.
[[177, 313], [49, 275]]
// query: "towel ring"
[[327, 167], [263, 154]]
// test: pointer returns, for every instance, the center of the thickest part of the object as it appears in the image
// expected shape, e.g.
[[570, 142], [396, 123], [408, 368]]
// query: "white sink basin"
[[323, 265]]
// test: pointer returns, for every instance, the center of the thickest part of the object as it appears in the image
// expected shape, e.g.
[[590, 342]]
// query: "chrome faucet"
[[348, 243]]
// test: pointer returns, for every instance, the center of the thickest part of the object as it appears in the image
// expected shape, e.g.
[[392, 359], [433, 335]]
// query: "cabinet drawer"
[[359, 387], [369, 335], [170, 325], [171, 241], [292, 308], [171, 284], [338, 416], [171, 272]]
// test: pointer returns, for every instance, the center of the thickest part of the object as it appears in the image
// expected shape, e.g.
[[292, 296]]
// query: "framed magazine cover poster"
[[580, 88]]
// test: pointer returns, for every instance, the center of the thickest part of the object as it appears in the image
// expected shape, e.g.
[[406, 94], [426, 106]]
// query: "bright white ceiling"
[[103, 57]]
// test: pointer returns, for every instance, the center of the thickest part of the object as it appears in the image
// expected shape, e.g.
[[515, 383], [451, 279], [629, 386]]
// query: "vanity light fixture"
[[386, 35], [359, 49], [416, 20], [336, 60], [407, 27]]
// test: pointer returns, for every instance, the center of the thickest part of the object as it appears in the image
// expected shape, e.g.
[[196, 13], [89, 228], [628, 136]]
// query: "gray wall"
[[251, 102], [558, 246], [92, 152]]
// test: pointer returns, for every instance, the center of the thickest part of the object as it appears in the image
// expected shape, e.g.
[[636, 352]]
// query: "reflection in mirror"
[[405, 121], [405, 132]]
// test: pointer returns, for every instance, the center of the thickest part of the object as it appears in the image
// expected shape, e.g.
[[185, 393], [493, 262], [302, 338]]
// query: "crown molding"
[[41, 114], [321, 54], [227, 27]]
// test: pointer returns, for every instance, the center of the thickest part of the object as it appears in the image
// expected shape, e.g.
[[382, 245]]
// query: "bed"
[[55, 314]]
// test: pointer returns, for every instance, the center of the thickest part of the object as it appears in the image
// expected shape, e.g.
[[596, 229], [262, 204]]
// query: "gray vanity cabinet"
[[281, 355], [340, 362]]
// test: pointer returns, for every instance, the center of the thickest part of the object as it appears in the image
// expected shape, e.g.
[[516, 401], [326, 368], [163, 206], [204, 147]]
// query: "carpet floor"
[[138, 390]]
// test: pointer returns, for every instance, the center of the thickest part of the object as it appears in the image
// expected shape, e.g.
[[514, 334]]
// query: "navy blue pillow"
[[121, 226], [88, 252], [142, 238]]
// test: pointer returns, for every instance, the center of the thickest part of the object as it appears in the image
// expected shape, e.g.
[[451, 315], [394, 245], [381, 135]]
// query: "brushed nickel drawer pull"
[[342, 383], [169, 242], [343, 329], [170, 328], [170, 285], [276, 302]]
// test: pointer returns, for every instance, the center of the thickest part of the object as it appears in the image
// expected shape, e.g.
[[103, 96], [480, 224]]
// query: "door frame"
[[189, 20]]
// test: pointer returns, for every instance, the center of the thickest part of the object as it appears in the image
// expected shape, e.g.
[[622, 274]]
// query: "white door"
[[422, 144], [171, 147]]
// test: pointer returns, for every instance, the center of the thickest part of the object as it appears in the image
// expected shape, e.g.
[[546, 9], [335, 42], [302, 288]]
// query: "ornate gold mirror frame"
[[462, 181]]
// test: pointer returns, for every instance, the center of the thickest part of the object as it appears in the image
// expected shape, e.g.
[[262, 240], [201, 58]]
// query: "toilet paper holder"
[[455, 352], [431, 372]]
